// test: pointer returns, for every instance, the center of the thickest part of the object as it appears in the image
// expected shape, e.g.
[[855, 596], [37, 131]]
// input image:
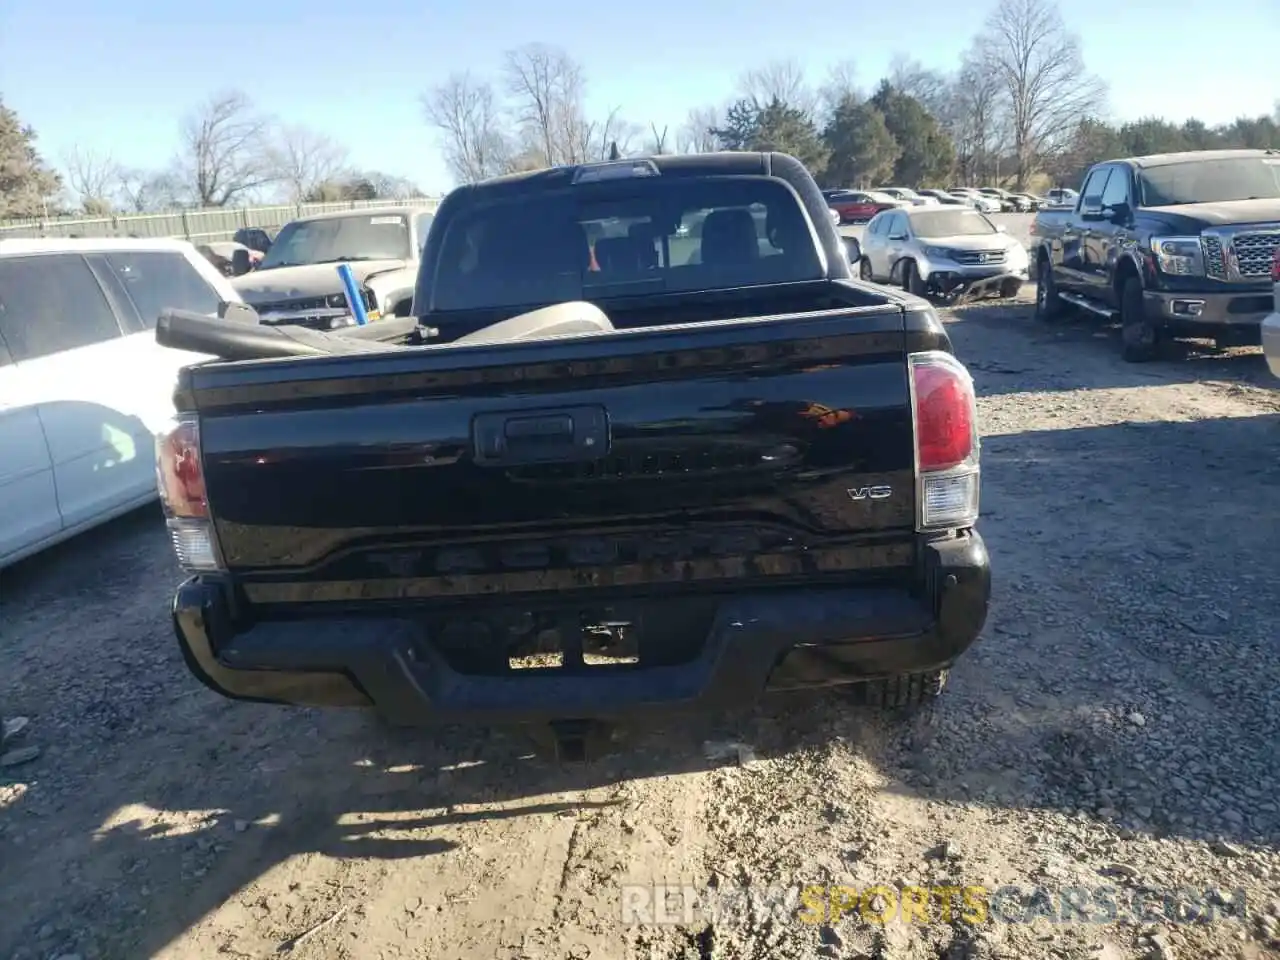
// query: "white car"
[[1271, 323], [981, 202], [942, 250], [908, 195], [942, 198], [84, 387]]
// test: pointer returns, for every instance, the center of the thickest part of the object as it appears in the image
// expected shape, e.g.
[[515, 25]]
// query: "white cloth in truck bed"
[[573, 318]]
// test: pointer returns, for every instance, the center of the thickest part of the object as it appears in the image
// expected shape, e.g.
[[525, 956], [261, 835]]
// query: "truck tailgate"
[[770, 449]]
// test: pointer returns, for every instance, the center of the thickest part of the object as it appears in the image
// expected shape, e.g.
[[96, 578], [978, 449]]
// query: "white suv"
[[1271, 325], [84, 387]]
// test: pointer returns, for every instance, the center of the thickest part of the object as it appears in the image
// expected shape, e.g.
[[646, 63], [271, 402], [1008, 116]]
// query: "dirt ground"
[[1118, 725]]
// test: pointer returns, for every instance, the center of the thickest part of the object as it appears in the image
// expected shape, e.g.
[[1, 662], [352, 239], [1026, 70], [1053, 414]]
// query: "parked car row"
[[859, 206]]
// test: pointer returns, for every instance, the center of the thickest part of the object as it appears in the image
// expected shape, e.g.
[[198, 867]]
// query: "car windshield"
[[1211, 181], [622, 238], [881, 197], [951, 223], [332, 240]]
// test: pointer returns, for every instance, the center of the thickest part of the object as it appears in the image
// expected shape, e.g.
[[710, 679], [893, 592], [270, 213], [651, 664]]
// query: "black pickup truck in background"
[[752, 473], [1169, 245]]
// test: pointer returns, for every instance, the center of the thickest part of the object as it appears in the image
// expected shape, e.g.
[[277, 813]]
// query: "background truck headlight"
[[1178, 256]]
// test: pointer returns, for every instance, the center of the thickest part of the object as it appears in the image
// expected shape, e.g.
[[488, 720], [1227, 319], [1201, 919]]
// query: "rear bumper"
[[1271, 341], [782, 639]]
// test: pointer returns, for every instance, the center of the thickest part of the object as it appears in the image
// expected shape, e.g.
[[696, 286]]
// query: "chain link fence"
[[198, 226]]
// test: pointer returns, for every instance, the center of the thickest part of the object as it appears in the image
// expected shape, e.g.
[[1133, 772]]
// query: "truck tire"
[[911, 281], [903, 692], [1049, 306], [1139, 337], [864, 270]]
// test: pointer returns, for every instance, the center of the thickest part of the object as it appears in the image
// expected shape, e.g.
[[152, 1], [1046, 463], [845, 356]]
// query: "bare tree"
[[390, 186], [226, 151], [840, 85], [303, 159], [469, 117], [548, 86], [1042, 77], [143, 191], [657, 140], [926, 85], [975, 117], [594, 139], [94, 177], [782, 80], [695, 134]]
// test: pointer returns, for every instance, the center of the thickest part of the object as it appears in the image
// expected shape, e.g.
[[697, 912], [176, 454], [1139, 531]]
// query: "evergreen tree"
[[862, 150], [26, 183], [928, 154]]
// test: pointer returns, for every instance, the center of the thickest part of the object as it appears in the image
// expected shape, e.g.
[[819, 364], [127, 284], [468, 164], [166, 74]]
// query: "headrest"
[[786, 230], [729, 237], [625, 254]]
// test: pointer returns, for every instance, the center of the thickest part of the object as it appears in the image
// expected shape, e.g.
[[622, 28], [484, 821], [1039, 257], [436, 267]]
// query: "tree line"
[[229, 153], [1021, 109]]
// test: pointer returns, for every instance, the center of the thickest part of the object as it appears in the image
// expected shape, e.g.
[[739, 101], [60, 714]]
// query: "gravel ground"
[[1116, 725]]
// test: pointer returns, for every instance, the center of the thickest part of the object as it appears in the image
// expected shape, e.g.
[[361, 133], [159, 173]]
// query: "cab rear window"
[[613, 239]]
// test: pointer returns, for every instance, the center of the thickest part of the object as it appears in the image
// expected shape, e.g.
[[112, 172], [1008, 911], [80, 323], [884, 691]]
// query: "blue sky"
[[118, 76]]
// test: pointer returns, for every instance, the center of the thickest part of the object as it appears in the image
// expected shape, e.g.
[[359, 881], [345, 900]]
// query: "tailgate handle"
[[562, 435], [540, 428]]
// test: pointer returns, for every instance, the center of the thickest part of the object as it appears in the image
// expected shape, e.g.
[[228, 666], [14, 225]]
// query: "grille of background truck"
[[1215, 264], [1253, 253]]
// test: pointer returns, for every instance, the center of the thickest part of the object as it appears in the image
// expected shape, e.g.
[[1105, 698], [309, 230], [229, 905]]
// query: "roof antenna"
[[613, 151]]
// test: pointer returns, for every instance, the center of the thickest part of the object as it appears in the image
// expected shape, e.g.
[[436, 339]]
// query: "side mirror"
[[1119, 212], [241, 263], [1002, 228], [853, 248]]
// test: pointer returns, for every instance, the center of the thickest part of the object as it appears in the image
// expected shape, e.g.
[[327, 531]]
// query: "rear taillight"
[[180, 479], [945, 411]]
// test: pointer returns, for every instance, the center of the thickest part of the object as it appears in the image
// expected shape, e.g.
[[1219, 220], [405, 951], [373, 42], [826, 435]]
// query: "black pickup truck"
[[1173, 244], [690, 462]]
